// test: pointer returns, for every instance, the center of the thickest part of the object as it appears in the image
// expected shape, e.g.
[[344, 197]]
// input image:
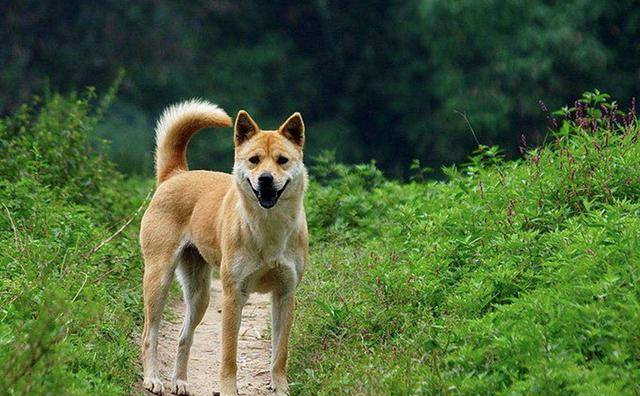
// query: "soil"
[[254, 347]]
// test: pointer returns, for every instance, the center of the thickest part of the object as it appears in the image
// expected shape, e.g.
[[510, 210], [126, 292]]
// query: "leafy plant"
[[68, 305], [512, 277]]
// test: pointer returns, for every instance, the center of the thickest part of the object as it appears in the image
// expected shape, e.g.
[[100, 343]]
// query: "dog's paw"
[[282, 389], [180, 387], [153, 385]]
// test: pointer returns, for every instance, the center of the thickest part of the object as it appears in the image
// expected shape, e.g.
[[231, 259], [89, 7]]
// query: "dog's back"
[[165, 224]]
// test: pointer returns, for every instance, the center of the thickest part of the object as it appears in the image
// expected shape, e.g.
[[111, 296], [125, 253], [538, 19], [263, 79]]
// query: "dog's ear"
[[293, 129], [244, 128]]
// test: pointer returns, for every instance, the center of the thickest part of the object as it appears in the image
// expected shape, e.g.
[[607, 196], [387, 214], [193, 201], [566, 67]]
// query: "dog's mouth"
[[267, 195]]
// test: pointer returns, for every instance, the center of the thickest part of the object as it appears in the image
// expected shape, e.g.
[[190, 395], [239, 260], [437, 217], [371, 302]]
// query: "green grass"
[[511, 278], [67, 314]]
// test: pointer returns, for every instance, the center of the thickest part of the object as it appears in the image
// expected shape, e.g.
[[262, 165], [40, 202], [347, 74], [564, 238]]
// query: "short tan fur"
[[250, 223]]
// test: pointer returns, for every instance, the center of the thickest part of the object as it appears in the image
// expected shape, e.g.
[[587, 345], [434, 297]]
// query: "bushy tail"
[[174, 129]]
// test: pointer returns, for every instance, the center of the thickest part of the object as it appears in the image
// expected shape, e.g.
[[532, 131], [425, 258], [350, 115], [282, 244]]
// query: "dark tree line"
[[388, 80]]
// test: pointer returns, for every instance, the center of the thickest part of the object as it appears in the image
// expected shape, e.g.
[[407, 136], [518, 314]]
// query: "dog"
[[250, 223]]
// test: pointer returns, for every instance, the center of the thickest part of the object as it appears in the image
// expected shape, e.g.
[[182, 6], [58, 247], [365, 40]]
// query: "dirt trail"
[[254, 347]]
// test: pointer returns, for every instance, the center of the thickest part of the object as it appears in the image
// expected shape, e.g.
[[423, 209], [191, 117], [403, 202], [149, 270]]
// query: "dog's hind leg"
[[158, 274], [194, 275]]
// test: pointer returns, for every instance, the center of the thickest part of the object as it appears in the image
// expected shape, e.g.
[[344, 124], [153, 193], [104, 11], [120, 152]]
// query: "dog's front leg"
[[282, 306], [232, 302]]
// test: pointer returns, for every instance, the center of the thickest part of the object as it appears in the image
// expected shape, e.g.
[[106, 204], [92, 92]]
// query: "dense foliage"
[[512, 278], [68, 305], [386, 79]]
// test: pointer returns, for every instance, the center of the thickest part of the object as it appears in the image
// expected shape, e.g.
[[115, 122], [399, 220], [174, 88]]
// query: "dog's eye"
[[255, 159], [283, 160]]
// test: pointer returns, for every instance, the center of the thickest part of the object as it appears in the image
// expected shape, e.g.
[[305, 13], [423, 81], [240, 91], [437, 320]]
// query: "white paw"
[[180, 387], [228, 388], [282, 389], [153, 385]]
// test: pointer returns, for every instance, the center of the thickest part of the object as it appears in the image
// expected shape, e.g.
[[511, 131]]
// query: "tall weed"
[[510, 278], [67, 312]]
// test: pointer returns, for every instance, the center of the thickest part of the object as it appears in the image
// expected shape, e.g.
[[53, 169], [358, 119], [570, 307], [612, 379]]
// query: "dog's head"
[[268, 163]]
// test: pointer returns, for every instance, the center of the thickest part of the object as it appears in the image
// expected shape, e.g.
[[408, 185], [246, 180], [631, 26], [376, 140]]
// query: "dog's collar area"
[[268, 202]]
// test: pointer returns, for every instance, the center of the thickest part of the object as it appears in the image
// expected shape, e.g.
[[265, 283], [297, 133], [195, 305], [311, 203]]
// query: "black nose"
[[265, 178]]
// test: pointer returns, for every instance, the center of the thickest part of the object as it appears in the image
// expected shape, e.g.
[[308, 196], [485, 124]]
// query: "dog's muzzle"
[[267, 194]]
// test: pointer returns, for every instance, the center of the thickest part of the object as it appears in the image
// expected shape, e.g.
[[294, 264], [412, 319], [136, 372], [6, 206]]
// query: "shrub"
[[510, 278], [67, 311]]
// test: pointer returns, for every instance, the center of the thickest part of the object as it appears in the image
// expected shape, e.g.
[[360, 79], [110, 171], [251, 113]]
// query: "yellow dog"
[[250, 223]]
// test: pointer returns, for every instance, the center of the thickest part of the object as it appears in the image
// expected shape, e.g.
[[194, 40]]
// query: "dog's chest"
[[268, 250], [253, 269], [270, 237], [272, 244], [269, 255]]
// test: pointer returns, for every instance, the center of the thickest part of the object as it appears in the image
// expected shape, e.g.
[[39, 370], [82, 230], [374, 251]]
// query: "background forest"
[[473, 204], [515, 272], [386, 80]]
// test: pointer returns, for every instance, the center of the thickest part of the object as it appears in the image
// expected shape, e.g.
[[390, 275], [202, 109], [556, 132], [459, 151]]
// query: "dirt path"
[[254, 347]]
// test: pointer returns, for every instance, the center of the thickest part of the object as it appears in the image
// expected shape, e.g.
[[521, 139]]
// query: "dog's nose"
[[265, 178]]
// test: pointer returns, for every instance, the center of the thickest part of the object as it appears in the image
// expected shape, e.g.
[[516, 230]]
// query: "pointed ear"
[[245, 127], [293, 129]]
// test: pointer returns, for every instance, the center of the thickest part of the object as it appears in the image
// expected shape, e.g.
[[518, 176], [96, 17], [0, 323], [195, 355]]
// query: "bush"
[[510, 278], [68, 310]]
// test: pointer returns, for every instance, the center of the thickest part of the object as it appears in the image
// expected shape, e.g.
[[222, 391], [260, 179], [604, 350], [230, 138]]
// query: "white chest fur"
[[268, 243]]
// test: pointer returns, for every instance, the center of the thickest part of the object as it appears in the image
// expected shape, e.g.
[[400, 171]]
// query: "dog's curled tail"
[[174, 129]]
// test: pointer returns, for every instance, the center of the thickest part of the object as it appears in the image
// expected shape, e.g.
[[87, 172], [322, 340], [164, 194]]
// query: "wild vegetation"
[[69, 298], [510, 277]]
